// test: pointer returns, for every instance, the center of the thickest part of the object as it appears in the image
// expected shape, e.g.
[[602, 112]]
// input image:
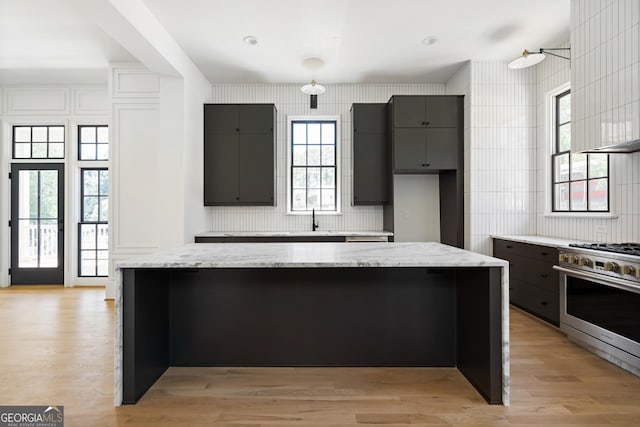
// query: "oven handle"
[[605, 280]]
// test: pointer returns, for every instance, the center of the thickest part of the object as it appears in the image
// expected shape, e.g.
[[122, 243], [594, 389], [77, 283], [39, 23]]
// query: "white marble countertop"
[[293, 233], [312, 255], [555, 242]]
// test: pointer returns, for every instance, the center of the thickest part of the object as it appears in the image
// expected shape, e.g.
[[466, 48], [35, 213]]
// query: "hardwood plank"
[[56, 346]]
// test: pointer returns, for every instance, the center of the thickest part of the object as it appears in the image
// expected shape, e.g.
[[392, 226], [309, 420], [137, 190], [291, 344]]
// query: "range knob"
[[585, 262], [572, 259], [611, 266], [627, 269], [563, 257]]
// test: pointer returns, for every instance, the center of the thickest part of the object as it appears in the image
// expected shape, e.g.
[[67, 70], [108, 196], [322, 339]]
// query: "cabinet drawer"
[[542, 275], [502, 248], [516, 292], [542, 253], [542, 303]]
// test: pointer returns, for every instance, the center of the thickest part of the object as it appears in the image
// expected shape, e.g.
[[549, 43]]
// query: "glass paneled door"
[[37, 223]]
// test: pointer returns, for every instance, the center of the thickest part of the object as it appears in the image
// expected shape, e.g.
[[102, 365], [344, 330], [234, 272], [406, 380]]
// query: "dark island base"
[[312, 317]]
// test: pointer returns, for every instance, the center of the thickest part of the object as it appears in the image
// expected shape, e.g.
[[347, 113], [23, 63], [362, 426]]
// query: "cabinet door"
[[221, 157], [442, 111], [369, 118], [409, 149], [442, 148], [221, 118], [370, 168], [256, 118], [255, 172], [409, 111]]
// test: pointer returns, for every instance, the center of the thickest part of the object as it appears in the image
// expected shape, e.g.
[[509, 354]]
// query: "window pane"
[[104, 209], [598, 194], [22, 134], [313, 199], [28, 244], [313, 177], [598, 165], [328, 178], [56, 151], [49, 243], [103, 134], [87, 134], [87, 236], [313, 130], [561, 168], [578, 166], [299, 178], [299, 200], [328, 155], [564, 108], [88, 263], [103, 152], [328, 199], [56, 134], [90, 182], [103, 236], [39, 150], [90, 209], [28, 207], [22, 151], [39, 134], [313, 158], [104, 183], [87, 152], [299, 133], [579, 196], [561, 195], [49, 194], [300, 155], [564, 138], [103, 263], [328, 133]]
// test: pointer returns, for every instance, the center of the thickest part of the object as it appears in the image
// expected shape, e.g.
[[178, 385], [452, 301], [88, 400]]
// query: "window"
[[580, 181], [38, 142], [314, 165], [93, 228], [93, 143]]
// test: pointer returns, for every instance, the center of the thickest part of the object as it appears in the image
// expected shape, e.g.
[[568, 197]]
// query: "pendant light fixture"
[[313, 89], [527, 59]]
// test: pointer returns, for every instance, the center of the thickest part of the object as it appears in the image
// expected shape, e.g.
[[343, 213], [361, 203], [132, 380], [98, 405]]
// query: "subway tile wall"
[[290, 101], [604, 76]]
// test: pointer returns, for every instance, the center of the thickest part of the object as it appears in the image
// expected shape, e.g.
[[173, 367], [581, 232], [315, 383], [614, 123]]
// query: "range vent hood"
[[626, 147]]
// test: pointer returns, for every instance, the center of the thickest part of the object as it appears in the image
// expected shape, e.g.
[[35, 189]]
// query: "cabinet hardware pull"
[[544, 303], [544, 275], [509, 247], [544, 253], [425, 164], [426, 123]]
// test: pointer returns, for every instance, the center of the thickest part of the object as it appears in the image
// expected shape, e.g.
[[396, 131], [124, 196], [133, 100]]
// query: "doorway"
[[37, 223]]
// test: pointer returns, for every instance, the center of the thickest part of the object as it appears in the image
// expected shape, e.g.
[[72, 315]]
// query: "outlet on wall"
[[405, 214], [600, 228]]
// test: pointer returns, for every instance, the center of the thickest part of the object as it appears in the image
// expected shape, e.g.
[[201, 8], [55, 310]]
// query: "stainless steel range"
[[600, 300]]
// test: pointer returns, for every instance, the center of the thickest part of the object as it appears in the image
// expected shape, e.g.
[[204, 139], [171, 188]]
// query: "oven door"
[[601, 310]]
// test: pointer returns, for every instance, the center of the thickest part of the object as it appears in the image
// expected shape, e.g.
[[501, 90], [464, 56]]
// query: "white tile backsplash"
[[290, 101]]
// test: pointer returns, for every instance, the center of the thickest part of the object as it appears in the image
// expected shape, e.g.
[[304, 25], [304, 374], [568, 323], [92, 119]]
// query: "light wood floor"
[[56, 347]]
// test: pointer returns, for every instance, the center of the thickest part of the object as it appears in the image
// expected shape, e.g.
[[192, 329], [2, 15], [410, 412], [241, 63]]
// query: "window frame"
[[555, 153], [95, 144], [48, 142], [96, 224], [337, 167]]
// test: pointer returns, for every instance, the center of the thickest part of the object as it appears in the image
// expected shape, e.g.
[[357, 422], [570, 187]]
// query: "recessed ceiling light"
[[428, 41], [250, 40]]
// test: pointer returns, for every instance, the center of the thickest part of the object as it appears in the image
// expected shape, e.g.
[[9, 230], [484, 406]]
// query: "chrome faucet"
[[314, 223]]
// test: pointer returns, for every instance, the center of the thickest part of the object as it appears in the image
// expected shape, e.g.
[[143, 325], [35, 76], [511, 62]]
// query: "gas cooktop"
[[618, 248]]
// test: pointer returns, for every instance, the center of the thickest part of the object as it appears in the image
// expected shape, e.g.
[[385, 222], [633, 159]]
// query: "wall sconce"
[[528, 58]]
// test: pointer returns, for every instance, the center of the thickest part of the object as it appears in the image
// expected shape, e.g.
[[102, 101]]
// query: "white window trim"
[[550, 107], [336, 119]]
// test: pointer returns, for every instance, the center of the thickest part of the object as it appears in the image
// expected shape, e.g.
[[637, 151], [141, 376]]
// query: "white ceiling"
[[360, 41]]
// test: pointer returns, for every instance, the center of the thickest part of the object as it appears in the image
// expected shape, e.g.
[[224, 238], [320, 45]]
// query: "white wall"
[[416, 204], [604, 77], [53, 105], [290, 101]]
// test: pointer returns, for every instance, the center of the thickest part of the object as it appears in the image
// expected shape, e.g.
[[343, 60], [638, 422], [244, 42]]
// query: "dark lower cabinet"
[[533, 283], [371, 166], [239, 154]]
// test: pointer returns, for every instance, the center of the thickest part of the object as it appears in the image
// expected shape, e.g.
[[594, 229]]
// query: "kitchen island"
[[306, 304]]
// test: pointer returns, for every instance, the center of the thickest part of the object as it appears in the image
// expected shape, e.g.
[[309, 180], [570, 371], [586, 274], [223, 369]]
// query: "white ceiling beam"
[[135, 28]]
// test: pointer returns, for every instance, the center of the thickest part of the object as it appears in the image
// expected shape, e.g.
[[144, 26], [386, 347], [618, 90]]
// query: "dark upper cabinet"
[[427, 133], [239, 154], [370, 155]]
